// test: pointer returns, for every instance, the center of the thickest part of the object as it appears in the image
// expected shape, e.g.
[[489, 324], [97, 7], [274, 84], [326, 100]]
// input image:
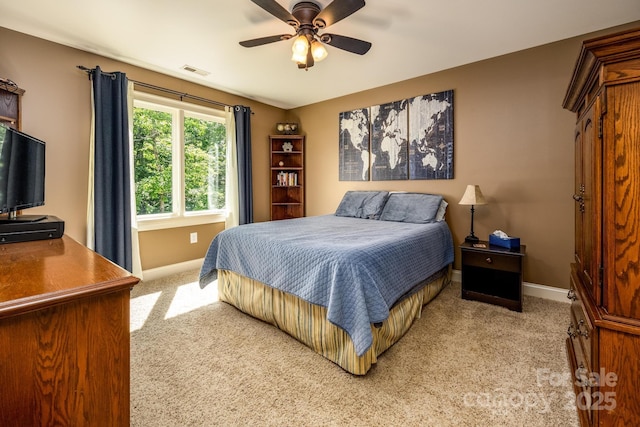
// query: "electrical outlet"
[[194, 237]]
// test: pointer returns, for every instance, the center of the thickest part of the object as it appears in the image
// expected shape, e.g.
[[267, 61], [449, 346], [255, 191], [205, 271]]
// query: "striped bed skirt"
[[308, 322]]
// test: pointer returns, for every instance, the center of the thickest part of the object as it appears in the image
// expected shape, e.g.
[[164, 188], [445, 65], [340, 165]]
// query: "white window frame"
[[179, 217]]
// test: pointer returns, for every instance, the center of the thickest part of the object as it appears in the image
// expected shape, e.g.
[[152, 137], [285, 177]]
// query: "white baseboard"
[[546, 292], [166, 270], [531, 289]]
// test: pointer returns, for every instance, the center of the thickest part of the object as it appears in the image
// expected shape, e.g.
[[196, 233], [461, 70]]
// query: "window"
[[179, 162]]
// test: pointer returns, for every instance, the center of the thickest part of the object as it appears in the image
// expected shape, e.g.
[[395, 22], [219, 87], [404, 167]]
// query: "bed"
[[348, 285]]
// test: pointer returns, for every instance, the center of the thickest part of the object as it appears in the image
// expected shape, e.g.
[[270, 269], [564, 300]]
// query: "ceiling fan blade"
[[265, 40], [278, 11], [346, 43], [337, 11]]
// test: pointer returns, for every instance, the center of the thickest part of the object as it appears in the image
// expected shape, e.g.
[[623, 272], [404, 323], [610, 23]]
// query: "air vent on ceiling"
[[195, 70]]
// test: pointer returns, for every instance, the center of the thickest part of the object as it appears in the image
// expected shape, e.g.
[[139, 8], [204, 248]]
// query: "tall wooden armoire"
[[604, 329]]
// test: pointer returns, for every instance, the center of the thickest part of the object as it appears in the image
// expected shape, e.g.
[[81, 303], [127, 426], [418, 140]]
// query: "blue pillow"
[[362, 204], [417, 208]]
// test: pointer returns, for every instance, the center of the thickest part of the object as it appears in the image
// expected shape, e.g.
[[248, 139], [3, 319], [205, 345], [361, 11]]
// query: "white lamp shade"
[[472, 196]]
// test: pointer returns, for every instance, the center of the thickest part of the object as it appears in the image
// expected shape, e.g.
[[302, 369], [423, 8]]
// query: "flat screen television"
[[22, 168]]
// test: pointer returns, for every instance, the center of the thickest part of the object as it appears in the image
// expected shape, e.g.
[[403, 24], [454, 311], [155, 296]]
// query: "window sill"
[[176, 222]]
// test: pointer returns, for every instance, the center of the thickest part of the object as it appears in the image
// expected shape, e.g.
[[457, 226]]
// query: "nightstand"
[[492, 274]]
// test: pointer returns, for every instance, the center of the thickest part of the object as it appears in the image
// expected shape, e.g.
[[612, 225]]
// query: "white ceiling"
[[410, 38]]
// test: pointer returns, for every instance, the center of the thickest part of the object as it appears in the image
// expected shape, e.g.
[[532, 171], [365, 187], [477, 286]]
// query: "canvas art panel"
[[389, 141], [431, 136], [354, 145]]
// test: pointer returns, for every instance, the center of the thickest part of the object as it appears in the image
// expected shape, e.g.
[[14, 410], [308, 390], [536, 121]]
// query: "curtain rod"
[[89, 71]]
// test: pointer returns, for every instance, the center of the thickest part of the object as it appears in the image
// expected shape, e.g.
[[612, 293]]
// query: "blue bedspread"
[[357, 268]]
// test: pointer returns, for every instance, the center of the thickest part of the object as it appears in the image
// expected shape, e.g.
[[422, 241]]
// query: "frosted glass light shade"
[[318, 51], [300, 45], [299, 58]]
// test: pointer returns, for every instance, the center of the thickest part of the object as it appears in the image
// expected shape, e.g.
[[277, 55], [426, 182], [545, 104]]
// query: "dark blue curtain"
[[112, 189], [242, 116]]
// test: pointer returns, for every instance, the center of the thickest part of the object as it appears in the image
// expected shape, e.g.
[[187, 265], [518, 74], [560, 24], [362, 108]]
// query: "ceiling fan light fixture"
[[300, 45], [299, 58], [318, 51], [307, 18]]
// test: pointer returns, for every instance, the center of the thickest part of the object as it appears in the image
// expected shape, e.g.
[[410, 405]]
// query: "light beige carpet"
[[199, 362]]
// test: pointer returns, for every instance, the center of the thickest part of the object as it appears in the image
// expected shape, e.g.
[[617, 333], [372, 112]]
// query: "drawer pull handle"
[[584, 379], [581, 375], [572, 295], [489, 260], [570, 331], [584, 333]]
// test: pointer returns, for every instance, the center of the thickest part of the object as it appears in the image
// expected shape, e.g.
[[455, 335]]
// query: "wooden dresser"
[[64, 336], [604, 327]]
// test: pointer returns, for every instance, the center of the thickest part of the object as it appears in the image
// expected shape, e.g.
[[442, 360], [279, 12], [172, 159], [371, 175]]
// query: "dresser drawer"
[[492, 261], [583, 331], [580, 329], [581, 380]]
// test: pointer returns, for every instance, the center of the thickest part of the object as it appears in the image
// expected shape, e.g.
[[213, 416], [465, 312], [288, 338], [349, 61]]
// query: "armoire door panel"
[[622, 220], [587, 208]]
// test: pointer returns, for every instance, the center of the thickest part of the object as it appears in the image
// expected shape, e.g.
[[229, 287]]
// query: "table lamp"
[[472, 196]]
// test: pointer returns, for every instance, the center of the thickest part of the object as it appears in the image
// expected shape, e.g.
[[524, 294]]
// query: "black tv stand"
[[33, 227], [22, 219]]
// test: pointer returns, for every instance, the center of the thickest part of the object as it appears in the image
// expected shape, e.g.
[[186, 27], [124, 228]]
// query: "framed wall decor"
[[431, 136], [354, 145], [400, 140], [389, 141]]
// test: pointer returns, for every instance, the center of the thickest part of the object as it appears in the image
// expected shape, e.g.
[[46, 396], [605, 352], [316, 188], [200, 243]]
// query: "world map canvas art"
[[431, 136], [408, 139], [389, 134], [354, 145]]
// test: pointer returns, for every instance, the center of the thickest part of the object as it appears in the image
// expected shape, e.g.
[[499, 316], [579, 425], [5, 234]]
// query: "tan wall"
[[511, 137], [57, 109], [172, 245]]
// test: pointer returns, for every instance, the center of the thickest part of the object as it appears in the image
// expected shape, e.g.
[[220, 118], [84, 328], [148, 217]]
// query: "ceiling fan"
[[307, 18]]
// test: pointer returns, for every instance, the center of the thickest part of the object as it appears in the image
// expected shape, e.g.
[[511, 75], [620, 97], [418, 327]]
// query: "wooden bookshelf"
[[287, 176]]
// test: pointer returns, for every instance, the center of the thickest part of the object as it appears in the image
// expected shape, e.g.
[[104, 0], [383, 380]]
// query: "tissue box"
[[510, 243]]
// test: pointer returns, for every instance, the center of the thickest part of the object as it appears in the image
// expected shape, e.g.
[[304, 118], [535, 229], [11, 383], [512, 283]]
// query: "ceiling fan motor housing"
[[305, 12]]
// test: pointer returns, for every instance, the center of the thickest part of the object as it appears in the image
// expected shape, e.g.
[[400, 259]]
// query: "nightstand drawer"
[[492, 261]]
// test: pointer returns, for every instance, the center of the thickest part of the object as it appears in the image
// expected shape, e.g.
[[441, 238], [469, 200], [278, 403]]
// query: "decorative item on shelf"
[[8, 85], [472, 196], [287, 128], [287, 146], [287, 179], [280, 163]]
